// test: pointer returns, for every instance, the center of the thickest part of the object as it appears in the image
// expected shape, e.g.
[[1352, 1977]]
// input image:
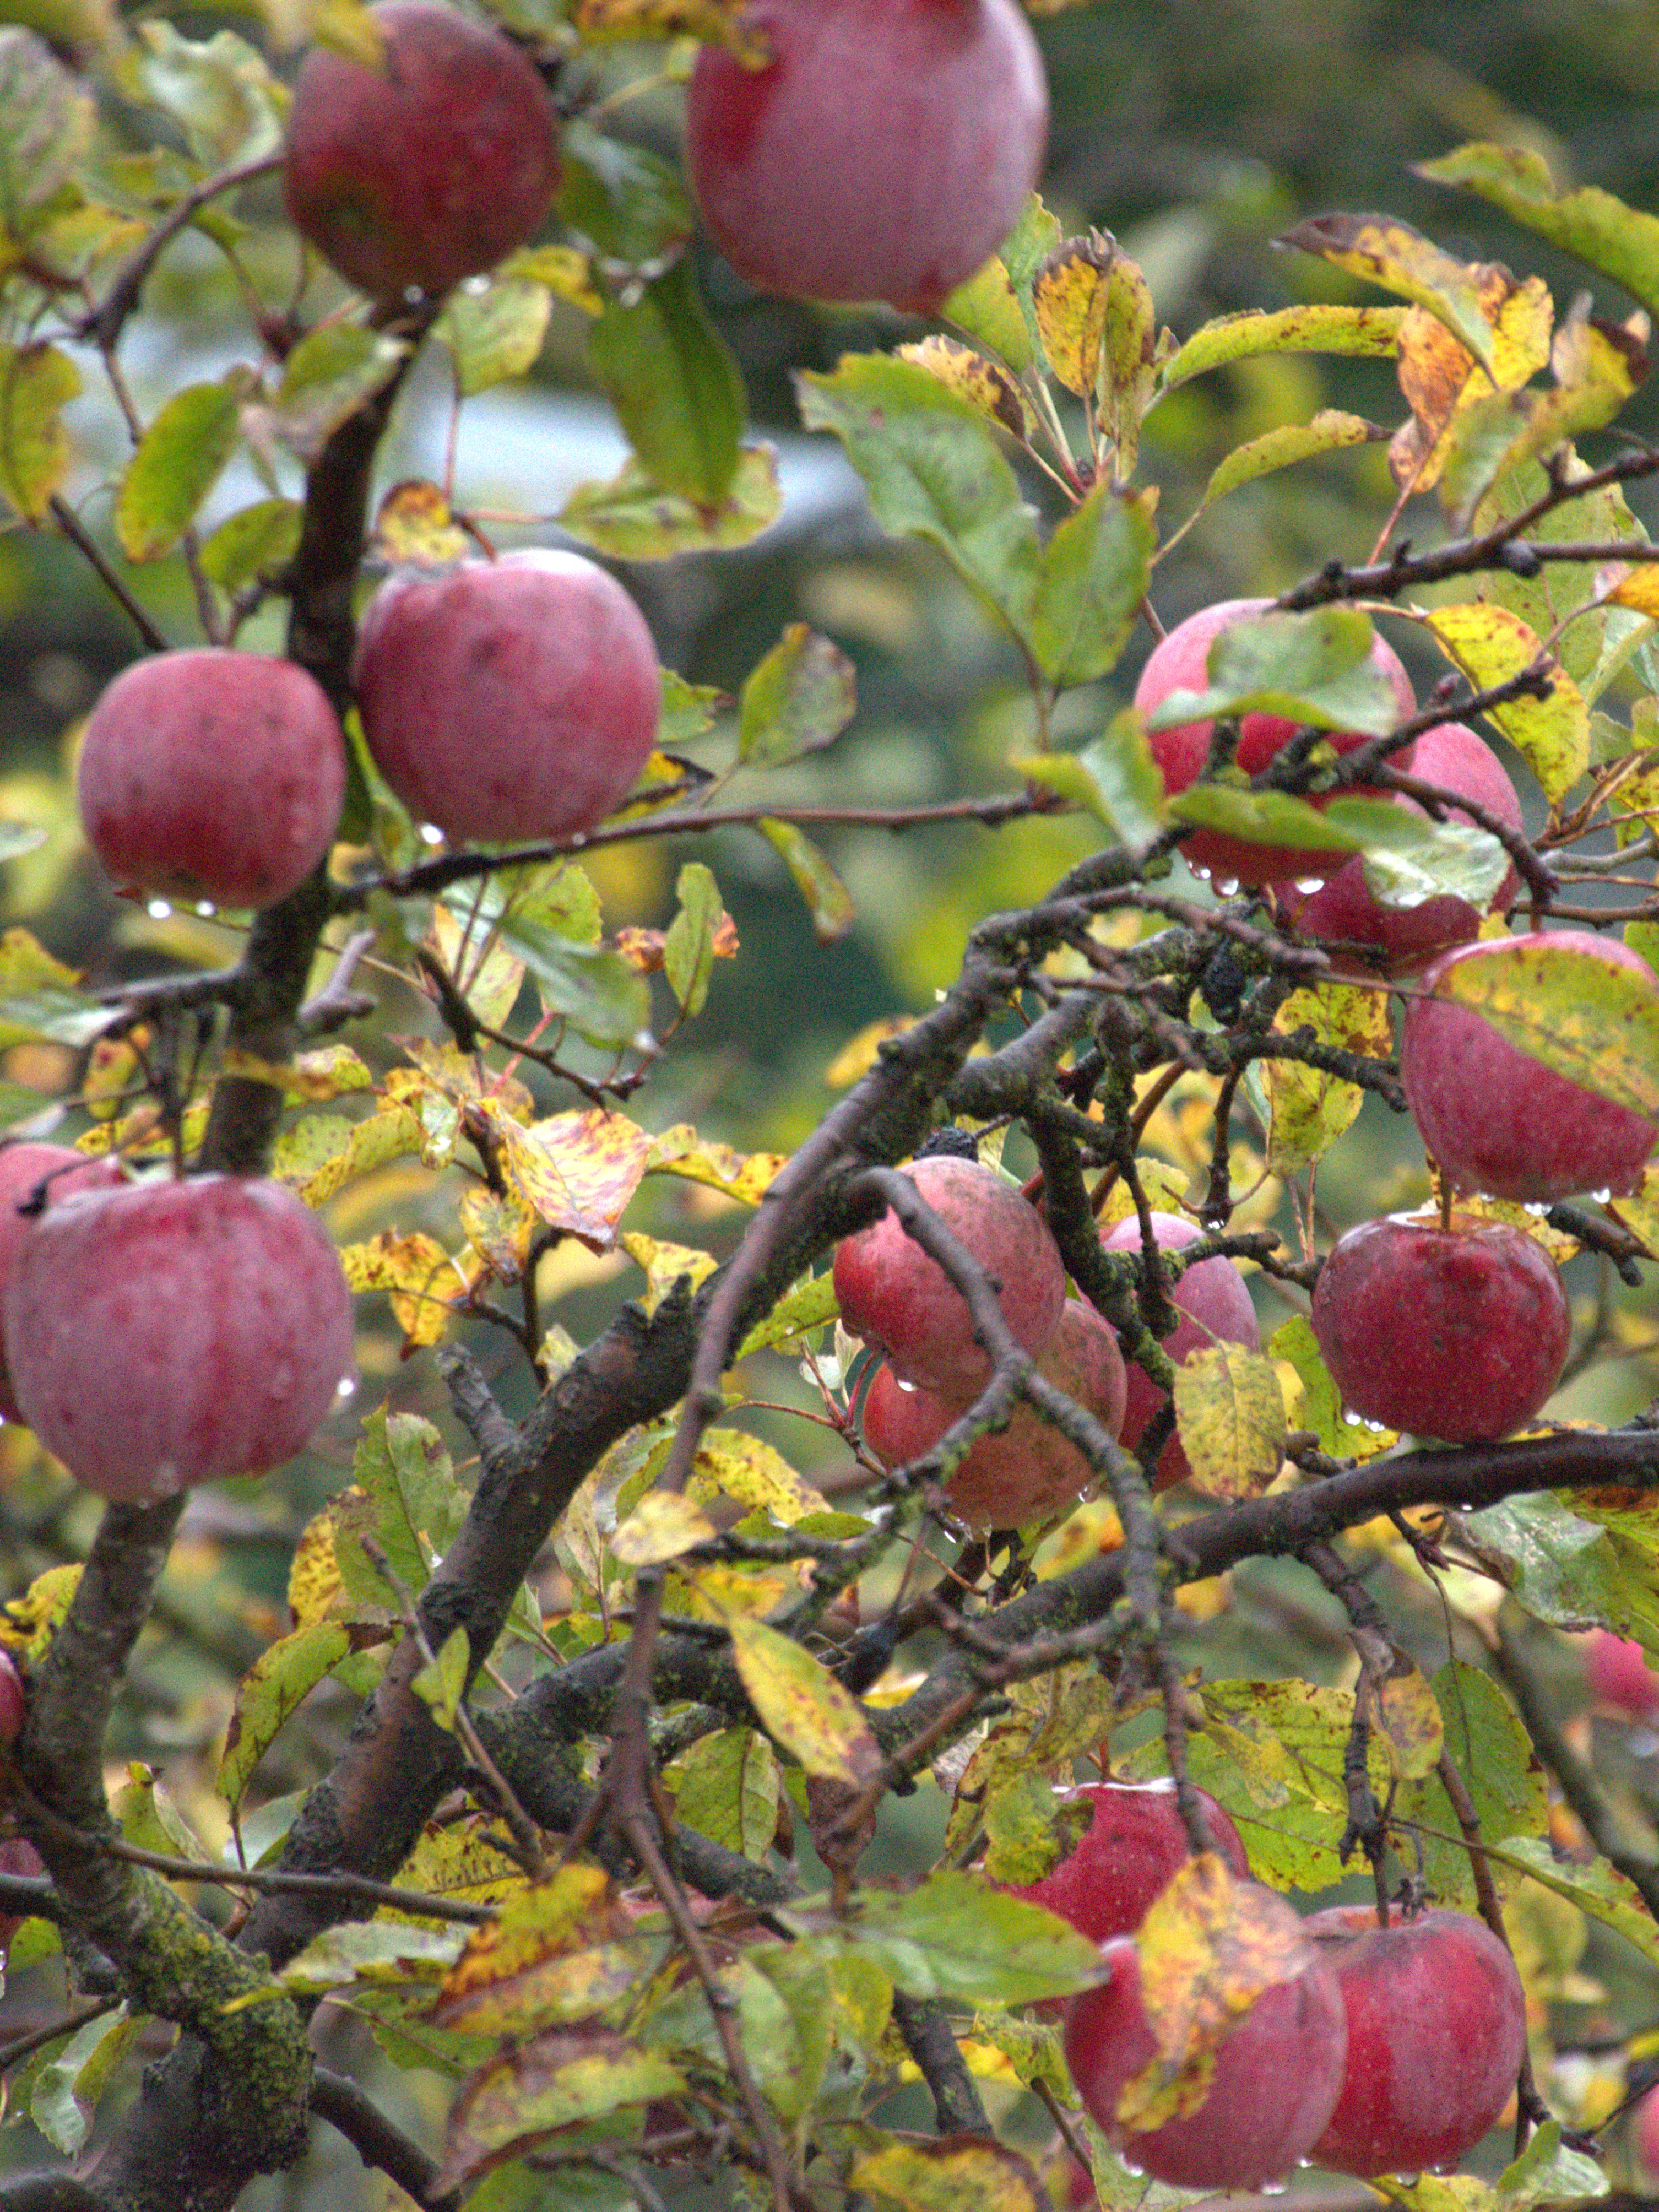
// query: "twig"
[[377, 2142], [356, 1887]]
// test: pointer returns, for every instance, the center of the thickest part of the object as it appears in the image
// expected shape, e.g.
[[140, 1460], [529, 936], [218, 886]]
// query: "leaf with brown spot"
[[1069, 294], [557, 1952], [415, 528], [946, 2177], [416, 1272], [802, 1705], [983, 384], [1390, 253], [555, 2079]]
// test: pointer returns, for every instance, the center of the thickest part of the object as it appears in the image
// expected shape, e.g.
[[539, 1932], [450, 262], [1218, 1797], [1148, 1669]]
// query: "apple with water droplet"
[[1135, 1840]]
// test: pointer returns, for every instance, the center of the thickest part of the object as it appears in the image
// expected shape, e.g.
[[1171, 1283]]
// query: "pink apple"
[[435, 166], [1458, 1332], [210, 775], [1493, 1117], [1436, 2032], [168, 1333], [1180, 662], [1215, 1306], [18, 1855], [51, 1172], [1027, 1471], [1275, 2085], [1644, 2139], [1617, 1674], [1134, 1842], [883, 153], [898, 1299], [1393, 940], [516, 698]]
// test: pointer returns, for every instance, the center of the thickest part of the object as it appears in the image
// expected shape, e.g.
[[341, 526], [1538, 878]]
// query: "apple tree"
[[760, 1690]]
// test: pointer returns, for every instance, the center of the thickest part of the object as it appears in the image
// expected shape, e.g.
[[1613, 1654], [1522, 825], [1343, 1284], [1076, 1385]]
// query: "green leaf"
[[1596, 1888], [663, 1526], [1408, 859], [327, 377], [1320, 1409], [219, 91], [36, 383], [1329, 432], [1316, 327], [934, 471], [1231, 1413], [1621, 241], [797, 700], [689, 947], [954, 1937], [1547, 2172], [551, 2081], [1315, 668], [440, 1685], [45, 128], [674, 385], [258, 541], [1093, 577], [179, 460], [384, 1951], [727, 1788], [1261, 817], [596, 991], [803, 1706], [794, 1317], [627, 201], [1596, 1025], [636, 518], [274, 1687], [66, 2090], [1493, 1751], [826, 898], [496, 334]]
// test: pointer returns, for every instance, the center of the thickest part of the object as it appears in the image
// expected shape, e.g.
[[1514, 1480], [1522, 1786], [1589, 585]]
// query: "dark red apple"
[[1277, 2075], [1180, 662], [433, 166], [883, 153], [1436, 2031], [1493, 1117], [18, 1855], [1617, 1674], [1027, 1471], [12, 1698], [1134, 1842], [166, 1334], [1457, 1333], [1215, 1306], [893, 1296], [516, 698], [1394, 940], [50, 1172], [209, 775]]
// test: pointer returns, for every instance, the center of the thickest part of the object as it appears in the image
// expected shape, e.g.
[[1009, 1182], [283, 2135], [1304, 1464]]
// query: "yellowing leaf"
[[274, 1687], [555, 1954], [579, 1170], [1596, 1025], [1390, 253], [756, 1473], [1311, 1106], [983, 384], [746, 1177], [29, 1620], [944, 2177], [36, 382], [661, 1526], [1229, 1410], [803, 1707], [1491, 645], [417, 1273], [1069, 294], [1441, 378], [415, 528], [668, 1267], [556, 2079], [1329, 431], [1410, 1723]]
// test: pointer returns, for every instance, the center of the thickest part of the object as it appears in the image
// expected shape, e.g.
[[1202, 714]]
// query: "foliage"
[[654, 1845]]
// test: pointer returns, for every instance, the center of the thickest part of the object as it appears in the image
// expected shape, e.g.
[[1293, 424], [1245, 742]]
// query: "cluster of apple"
[[1386, 2051], [1455, 1326], [903, 1304]]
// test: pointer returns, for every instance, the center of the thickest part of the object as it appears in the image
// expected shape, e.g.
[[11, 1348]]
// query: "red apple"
[[1215, 1306], [1027, 1471], [1436, 2031], [1134, 1843], [1277, 2075], [431, 167], [18, 1855], [1644, 2139], [209, 775], [51, 1172], [516, 698], [893, 1296], [166, 1334], [12, 1698], [1457, 1333], [883, 153], [1617, 1674], [1393, 940], [1180, 662], [1493, 1117]]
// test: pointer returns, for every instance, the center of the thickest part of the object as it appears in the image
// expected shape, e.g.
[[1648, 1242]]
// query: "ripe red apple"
[[1617, 1674], [1134, 1843], [1180, 662], [1215, 1306], [883, 153], [54, 1171], [209, 775], [1027, 1471], [1396, 939], [516, 698], [1276, 2081], [166, 1334], [1644, 2138], [1496, 1120], [433, 168], [18, 1855], [893, 1296], [1457, 1333], [1437, 2030], [12, 1698]]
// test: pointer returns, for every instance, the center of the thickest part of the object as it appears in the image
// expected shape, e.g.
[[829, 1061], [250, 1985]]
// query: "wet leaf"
[[1320, 1406], [1311, 1106], [636, 518], [954, 1938], [555, 1954], [674, 385], [496, 334]]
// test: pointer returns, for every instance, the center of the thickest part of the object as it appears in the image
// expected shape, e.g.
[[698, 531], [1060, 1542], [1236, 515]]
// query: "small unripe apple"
[[1180, 662], [1496, 1120], [432, 167], [50, 1172], [516, 698], [1214, 1303], [1029, 1470], [209, 775], [1436, 2032], [1459, 1332], [1617, 1674], [166, 1333], [893, 1296], [1134, 1842], [883, 152], [1395, 940], [1276, 2081]]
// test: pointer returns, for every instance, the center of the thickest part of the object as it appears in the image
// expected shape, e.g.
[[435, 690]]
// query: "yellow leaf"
[[1490, 645], [661, 1526], [667, 1266], [983, 384], [416, 1271], [756, 1473], [1069, 294], [802, 1705], [946, 2177], [1410, 1723], [1596, 1025], [580, 1171], [1231, 1413], [415, 528], [556, 1953]]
